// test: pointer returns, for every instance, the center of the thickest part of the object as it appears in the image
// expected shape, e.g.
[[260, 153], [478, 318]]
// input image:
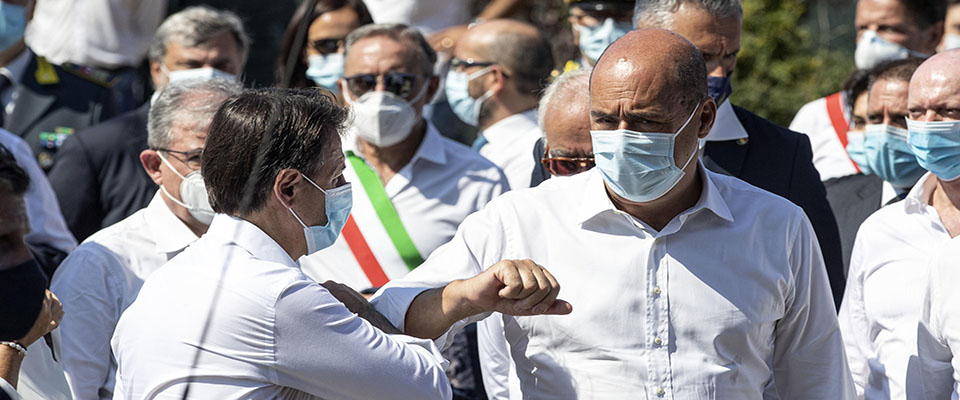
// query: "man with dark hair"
[[98, 176], [893, 246], [887, 30], [496, 74], [248, 323], [27, 309], [688, 284], [741, 143]]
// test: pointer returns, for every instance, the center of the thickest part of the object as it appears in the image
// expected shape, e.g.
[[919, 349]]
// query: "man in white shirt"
[[685, 283], [741, 143], [894, 245], [409, 196], [100, 279], [934, 125], [886, 30], [496, 74], [233, 316]]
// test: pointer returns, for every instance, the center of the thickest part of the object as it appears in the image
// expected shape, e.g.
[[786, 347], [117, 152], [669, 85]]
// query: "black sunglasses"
[[398, 83], [565, 166], [326, 46]]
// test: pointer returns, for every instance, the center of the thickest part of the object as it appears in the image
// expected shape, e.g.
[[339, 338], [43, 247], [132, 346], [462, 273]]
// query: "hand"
[[357, 304], [51, 312], [515, 288]]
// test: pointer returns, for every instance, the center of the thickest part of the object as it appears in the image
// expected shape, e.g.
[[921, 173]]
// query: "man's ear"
[[157, 76], [150, 160], [500, 79], [285, 185], [708, 114], [434, 85]]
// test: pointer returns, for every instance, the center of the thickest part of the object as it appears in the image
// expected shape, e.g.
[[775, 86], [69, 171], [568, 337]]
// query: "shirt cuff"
[[428, 346], [393, 303]]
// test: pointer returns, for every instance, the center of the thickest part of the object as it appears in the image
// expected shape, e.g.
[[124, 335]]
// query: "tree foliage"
[[780, 66]]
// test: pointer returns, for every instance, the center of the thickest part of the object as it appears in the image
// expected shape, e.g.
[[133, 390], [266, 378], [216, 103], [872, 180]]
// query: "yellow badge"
[[46, 74]]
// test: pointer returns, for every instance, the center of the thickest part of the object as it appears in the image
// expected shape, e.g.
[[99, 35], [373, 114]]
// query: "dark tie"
[[4, 85]]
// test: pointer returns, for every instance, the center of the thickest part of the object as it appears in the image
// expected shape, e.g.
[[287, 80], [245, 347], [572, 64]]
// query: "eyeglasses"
[[565, 166], [326, 46], [398, 83], [193, 158], [458, 64]]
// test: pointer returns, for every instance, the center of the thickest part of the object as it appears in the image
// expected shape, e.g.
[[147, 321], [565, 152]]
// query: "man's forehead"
[[934, 84], [380, 52], [888, 93], [880, 12]]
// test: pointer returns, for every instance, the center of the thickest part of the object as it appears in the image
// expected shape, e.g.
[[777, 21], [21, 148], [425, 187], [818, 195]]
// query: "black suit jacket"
[[98, 177], [47, 111], [853, 198], [780, 161]]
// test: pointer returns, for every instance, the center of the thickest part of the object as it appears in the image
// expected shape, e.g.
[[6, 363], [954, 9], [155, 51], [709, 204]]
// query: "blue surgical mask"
[[13, 21], [338, 203], [889, 156], [325, 70], [719, 88], [457, 90], [873, 50], [937, 146], [856, 151], [639, 166], [951, 41], [595, 39]]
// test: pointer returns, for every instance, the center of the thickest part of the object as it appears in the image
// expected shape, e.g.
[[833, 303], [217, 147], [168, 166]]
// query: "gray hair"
[[188, 101], [426, 56], [195, 26], [658, 13], [570, 81]]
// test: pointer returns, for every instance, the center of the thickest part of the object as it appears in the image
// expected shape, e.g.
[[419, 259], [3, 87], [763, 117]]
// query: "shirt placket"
[[657, 327]]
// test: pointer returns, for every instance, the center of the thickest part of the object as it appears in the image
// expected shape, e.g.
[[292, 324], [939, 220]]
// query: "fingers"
[[529, 289], [55, 309]]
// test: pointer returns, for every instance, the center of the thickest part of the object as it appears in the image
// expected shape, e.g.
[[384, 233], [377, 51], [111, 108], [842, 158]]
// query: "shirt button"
[[661, 392], [656, 291], [657, 341]]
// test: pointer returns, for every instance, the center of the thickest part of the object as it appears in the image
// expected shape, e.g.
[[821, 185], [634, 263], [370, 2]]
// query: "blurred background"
[[792, 51]]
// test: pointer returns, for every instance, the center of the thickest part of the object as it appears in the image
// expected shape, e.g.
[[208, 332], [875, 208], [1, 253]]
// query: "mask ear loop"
[[164, 189], [291, 208]]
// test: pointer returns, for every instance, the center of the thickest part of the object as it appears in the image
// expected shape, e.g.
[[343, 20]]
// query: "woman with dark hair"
[[311, 53]]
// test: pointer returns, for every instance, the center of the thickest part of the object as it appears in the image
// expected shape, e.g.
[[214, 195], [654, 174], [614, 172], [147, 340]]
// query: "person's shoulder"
[[740, 194], [466, 160], [763, 130], [110, 135], [122, 233], [105, 252]]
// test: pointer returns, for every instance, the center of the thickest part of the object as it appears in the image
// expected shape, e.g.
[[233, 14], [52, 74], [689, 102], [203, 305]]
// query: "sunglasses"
[[326, 46], [565, 166], [398, 83]]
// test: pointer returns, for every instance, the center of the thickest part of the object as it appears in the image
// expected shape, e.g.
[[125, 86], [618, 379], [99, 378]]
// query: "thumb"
[[559, 307]]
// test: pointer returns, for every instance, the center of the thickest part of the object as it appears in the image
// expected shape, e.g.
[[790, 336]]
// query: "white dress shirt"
[[726, 126], [443, 183], [234, 314], [829, 156], [41, 374], [884, 292], [729, 300], [97, 33], [427, 16], [938, 338], [510, 144], [100, 279], [47, 225]]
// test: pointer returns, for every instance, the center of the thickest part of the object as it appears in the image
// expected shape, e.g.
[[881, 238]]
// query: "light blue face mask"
[[13, 21], [457, 89], [639, 166], [937, 146], [889, 155], [951, 41], [325, 70], [873, 50], [205, 73], [595, 39], [338, 203], [856, 151]]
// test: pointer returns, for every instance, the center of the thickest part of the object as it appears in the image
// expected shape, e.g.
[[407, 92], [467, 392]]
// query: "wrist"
[[14, 348], [457, 304]]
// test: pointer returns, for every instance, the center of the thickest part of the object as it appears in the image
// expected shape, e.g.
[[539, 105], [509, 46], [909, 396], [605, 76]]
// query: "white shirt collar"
[[726, 126], [505, 128], [172, 234], [229, 229], [596, 201], [431, 147], [919, 197]]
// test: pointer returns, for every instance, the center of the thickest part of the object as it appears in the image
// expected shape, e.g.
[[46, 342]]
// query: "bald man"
[[496, 74], [564, 114], [683, 283], [893, 359]]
